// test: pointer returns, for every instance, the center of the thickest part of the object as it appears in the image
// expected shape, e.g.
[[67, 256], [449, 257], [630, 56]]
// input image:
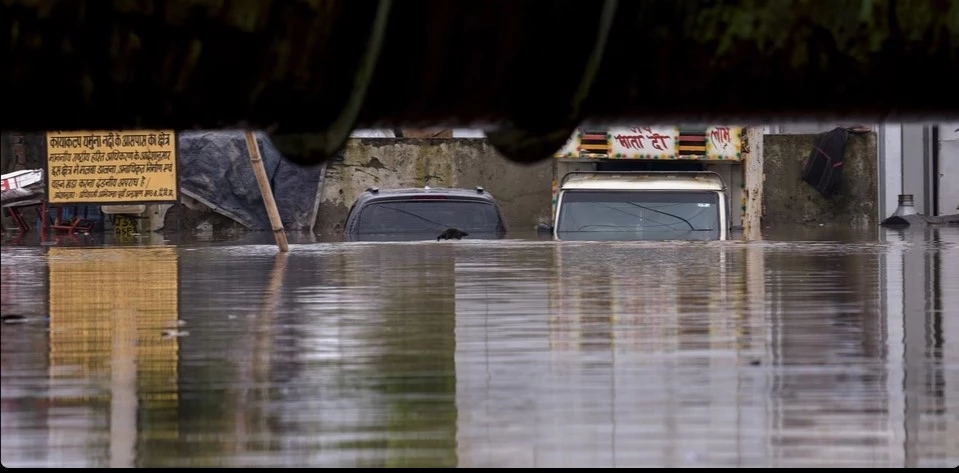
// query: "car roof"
[[374, 193], [644, 180]]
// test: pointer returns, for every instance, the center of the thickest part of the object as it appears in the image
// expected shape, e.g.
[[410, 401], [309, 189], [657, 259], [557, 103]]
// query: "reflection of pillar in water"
[[891, 273], [597, 312], [692, 302], [556, 316], [723, 327], [930, 430], [753, 267], [949, 333], [755, 288], [565, 302], [627, 299], [747, 320]]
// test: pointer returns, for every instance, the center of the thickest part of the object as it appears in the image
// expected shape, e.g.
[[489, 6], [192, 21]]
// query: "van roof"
[[644, 180]]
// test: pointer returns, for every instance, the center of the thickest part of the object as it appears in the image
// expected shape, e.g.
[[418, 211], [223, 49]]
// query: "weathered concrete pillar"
[[753, 191], [891, 300], [890, 167], [916, 175]]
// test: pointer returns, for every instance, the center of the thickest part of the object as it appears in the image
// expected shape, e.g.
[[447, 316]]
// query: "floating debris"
[[14, 319]]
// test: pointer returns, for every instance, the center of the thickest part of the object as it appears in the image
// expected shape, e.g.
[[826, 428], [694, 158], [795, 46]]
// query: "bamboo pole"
[[266, 192]]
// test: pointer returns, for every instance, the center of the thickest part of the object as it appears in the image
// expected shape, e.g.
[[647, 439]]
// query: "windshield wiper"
[[413, 214], [691, 227]]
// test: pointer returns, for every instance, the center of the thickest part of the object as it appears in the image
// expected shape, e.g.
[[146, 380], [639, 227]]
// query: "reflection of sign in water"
[[108, 309], [109, 166]]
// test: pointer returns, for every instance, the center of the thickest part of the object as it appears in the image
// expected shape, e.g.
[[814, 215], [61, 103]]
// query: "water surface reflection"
[[476, 353]]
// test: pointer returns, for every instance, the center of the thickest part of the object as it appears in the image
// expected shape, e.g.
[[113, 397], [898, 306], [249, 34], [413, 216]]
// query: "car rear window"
[[402, 216]]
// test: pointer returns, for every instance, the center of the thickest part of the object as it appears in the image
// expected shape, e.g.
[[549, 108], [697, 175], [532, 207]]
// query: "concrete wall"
[[524, 192], [890, 153], [787, 200]]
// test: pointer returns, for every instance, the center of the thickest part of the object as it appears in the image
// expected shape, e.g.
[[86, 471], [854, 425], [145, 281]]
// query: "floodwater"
[[805, 349]]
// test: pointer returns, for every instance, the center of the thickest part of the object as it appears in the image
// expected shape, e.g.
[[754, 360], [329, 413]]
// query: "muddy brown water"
[[810, 348]]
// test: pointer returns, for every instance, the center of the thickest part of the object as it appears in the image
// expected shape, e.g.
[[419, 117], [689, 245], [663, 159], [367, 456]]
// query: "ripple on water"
[[481, 353]]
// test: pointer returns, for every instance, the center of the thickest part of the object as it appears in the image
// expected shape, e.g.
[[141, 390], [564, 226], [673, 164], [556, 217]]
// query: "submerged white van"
[[641, 205]]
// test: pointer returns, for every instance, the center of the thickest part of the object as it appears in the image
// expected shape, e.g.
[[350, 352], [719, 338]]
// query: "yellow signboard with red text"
[[106, 167]]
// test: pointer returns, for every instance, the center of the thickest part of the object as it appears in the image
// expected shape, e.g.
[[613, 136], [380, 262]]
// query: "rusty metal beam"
[[535, 69]]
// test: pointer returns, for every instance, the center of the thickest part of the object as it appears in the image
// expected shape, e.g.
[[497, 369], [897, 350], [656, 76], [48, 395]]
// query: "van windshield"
[[645, 215], [428, 215]]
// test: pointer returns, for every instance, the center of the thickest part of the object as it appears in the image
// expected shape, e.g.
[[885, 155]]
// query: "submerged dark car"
[[424, 214]]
